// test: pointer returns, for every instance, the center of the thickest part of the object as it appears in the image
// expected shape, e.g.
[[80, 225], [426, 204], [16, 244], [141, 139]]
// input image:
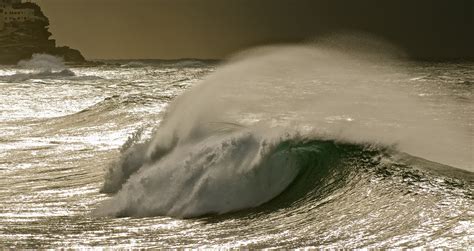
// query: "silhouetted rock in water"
[[21, 39]]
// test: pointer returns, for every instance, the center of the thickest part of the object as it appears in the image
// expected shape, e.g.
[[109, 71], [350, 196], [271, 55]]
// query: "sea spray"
[[40, 66], [43, 62], [187, 169]]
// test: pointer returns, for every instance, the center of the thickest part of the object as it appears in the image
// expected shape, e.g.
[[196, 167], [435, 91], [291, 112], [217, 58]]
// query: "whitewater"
[[277, 147]]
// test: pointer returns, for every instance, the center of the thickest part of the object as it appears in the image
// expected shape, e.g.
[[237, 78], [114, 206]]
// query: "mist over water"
[[218, 148], [335, 93]]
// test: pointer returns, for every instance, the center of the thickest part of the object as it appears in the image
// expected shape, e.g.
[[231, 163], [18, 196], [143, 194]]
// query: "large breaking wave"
[[239, 170], [255, 127]]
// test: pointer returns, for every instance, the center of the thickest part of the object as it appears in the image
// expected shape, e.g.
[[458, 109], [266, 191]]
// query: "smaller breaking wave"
[[47, 74], [40, 66], [43, 62]]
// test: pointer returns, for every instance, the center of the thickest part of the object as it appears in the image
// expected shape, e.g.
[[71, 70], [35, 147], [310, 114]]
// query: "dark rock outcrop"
[[20, 40]]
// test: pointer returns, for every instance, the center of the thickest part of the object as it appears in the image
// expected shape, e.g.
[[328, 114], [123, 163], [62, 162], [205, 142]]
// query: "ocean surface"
[[282, 148]]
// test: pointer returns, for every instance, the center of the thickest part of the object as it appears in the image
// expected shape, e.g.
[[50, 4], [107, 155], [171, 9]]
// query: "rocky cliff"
[[20, 40]]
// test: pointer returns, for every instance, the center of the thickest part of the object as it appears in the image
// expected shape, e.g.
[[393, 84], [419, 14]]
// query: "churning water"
[[279, 147]]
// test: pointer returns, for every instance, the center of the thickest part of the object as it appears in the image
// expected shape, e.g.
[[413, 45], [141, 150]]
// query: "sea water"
[[294, 146]]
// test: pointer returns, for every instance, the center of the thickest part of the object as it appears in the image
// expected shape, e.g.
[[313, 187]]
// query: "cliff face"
[[20, 40]]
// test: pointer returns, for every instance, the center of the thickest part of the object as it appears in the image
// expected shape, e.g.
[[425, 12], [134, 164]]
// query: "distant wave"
[[47, 74], [40, 66], [189, 63], [43, 62], [134, 64], [43, 66], [104, 110], [169, 63]]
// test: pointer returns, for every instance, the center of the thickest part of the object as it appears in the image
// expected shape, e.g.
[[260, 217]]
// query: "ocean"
[[285, 147]]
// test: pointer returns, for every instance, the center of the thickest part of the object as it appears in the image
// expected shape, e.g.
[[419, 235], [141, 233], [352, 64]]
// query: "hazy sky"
[[105, 29]]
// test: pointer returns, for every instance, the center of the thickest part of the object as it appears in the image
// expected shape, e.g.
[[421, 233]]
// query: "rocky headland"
[[22, 38]]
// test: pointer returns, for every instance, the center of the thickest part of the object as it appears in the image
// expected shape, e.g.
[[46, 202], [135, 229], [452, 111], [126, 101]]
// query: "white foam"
[[214, 175], [43, 62]]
